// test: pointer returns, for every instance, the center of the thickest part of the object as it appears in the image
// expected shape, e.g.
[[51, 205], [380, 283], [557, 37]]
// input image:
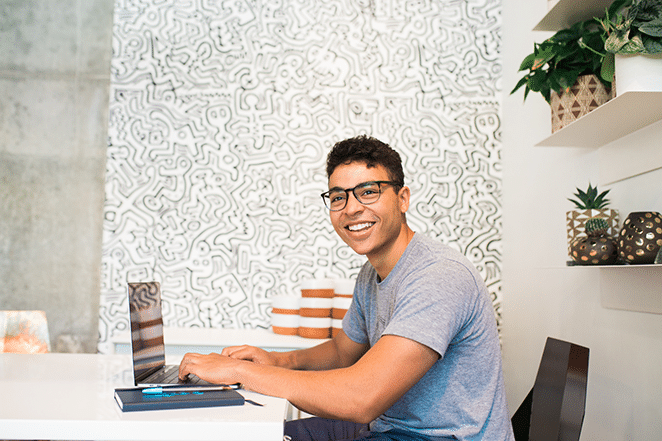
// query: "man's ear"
[[403, 199]]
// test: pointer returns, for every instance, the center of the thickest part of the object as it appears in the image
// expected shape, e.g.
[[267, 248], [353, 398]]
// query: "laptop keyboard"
[[169, 375]]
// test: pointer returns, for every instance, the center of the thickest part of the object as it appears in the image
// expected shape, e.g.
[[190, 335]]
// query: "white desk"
[[70, 397]]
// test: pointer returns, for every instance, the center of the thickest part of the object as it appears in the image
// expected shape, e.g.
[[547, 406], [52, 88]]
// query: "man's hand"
[[219, 368], [251, 353], [214, 368]]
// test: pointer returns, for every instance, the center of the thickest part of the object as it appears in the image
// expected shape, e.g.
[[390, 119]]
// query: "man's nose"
[[353, 204]]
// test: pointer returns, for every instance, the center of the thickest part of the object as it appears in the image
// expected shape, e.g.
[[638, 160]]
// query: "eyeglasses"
[[366, 193]]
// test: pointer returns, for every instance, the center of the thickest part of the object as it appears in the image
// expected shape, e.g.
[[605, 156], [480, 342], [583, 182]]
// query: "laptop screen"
[[146, 327]]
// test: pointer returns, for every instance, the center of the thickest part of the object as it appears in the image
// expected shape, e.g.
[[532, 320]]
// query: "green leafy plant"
[[633, 27], [557, 62], [590, 199]]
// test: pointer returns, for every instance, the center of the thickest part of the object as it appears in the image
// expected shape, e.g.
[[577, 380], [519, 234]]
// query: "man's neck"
[[386, 259]]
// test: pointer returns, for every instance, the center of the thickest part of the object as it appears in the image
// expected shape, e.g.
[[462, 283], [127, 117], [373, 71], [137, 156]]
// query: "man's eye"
[[368, 191], [336, 197]]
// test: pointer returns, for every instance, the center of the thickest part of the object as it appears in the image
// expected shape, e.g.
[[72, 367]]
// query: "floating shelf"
[[632, 288], [568, 12], [611, 121]]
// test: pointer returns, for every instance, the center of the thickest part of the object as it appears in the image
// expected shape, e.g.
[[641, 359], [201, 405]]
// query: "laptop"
[[147, 345]]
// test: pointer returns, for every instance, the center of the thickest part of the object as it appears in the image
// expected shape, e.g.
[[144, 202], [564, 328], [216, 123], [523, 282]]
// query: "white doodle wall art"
[[221, 116]]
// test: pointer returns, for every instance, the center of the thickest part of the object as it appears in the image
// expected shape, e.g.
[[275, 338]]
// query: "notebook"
[[147, 345], [134, 399]]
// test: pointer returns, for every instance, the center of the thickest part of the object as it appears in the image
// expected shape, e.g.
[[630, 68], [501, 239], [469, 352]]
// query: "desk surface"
[[70, 396]]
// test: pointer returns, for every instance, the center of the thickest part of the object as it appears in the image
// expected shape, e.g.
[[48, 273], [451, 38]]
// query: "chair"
[[24, 332], [554, 409]]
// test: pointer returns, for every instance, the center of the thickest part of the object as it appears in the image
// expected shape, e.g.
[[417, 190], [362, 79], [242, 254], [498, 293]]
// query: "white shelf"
[[568, 12], [611, 121], [632, 288]]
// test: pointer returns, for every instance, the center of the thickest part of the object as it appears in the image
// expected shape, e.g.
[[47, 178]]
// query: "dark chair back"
[[554, 409]]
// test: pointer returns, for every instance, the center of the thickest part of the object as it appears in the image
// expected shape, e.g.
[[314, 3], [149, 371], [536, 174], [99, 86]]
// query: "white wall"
[[543, 297]]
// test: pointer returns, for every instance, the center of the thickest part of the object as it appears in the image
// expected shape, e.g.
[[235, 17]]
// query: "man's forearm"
[[322, 357]]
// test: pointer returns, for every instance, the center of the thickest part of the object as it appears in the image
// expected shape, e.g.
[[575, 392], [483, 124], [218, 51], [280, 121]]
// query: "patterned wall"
[[221, 116]]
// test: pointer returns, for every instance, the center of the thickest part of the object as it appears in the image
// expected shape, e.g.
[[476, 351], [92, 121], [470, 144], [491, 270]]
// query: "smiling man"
[[418, 357]]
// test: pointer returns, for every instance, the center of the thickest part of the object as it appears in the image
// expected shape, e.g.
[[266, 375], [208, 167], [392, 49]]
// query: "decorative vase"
[[576, 222], [637, 73], [587, 94], [594, 250], [641, 237]]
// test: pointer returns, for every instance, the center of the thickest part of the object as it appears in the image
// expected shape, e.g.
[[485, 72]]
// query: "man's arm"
[[338, 352], [358, 391]]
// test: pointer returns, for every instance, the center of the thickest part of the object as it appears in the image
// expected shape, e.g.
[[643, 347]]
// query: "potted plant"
[[596, 247], [633, 43], [566, 70], [589, 204]]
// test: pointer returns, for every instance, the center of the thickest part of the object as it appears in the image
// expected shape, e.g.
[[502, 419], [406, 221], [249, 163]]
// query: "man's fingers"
[[247, 353], [185, 365]]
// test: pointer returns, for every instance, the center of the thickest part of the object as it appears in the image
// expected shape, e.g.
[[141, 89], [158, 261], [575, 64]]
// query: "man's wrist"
[[285, 360]]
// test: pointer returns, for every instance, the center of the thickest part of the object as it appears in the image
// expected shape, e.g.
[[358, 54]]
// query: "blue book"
[[134, 399]]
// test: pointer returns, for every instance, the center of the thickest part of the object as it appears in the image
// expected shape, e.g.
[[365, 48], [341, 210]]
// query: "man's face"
[[370, 230]]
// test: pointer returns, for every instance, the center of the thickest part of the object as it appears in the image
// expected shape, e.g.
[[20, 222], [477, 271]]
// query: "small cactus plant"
[[596, 226]]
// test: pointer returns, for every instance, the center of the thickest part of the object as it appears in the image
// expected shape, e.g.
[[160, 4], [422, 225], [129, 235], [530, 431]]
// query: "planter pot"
[[641, 237], [638, 73], [594, 250], [587, 94], [576, 220]]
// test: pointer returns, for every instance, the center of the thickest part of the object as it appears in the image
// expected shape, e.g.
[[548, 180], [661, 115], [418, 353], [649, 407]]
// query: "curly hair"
[[371, 152]]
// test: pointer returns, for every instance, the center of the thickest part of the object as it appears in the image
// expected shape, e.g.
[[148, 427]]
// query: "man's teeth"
[[359, 226]]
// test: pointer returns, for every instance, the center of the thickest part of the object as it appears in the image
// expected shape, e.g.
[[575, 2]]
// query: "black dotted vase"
[[641, 237], [594, 250]]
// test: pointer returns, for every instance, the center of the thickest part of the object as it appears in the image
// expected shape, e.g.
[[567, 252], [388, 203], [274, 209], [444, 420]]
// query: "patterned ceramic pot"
[[587, 94], [641, 237]]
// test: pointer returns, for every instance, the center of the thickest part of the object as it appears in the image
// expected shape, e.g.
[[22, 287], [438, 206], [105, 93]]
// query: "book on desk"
[[133, 399]]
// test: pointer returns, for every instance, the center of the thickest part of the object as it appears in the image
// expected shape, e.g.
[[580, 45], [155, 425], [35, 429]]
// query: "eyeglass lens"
[[366, 193]]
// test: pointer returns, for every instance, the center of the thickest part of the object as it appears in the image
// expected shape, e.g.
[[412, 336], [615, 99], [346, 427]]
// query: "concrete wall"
[[543, 297], [54, 81]]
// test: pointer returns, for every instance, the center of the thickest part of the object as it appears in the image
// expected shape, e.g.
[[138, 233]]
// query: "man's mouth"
[[361, 226]]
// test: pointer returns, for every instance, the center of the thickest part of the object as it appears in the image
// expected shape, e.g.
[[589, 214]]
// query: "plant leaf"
[[616, 6], [652, 28], [527, 62], [634, 46], [616, 41], [608, 68], [653, 46]]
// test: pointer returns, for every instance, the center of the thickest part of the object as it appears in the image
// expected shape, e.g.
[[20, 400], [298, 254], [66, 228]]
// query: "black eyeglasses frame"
[[326, 194]]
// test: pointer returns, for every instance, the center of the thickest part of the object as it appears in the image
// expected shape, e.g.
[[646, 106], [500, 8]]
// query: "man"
[[418, 356]]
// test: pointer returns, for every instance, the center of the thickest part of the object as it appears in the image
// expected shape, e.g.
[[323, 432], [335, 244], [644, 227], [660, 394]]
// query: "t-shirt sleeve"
[[433, 305]]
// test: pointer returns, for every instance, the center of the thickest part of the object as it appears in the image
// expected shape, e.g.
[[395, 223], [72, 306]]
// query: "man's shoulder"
[[435, 251]]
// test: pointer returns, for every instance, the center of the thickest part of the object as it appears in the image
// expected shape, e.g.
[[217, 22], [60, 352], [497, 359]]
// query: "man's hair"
[[371, 152]]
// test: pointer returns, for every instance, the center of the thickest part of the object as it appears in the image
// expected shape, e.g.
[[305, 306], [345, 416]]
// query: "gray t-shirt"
[[436, 297]]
